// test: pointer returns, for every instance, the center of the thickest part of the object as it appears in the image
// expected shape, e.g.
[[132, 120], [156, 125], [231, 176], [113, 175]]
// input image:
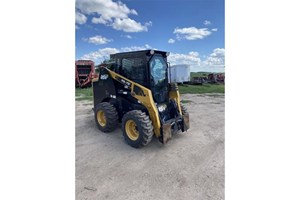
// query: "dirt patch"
[[189, 166]]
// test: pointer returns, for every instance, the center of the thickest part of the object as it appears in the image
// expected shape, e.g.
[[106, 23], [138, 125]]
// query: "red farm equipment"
[[216, 78], [220, 78], [84, 73]]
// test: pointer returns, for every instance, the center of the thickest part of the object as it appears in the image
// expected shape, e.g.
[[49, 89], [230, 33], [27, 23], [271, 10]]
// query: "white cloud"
[[206, 22], [101, 54], [191, 33], [110, 13], [148, 46], [217, 58], [128, 25], [215, 62], [107, 9], [99, 20], [135, 48], [98, 39], [104, 54], [194, 53], [148, 23], [128, 36], [214, 29], [171, 41], [192, 58], [80, 18]]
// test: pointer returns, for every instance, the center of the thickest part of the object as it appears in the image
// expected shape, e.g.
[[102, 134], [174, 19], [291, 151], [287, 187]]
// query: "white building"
[[179, 73]]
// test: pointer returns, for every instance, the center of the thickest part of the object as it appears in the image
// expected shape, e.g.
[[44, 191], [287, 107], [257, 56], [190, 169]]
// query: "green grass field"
[[87, 93], [84, 94], [200, 74], [201, 89]]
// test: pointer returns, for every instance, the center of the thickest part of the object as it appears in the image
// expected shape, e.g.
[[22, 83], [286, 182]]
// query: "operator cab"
[[148, 68]]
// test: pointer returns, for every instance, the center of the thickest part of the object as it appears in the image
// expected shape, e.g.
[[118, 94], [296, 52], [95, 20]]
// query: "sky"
[[191, 30]]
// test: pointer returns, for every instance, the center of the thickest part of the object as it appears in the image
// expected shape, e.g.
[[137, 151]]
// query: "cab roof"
[[138, 53]]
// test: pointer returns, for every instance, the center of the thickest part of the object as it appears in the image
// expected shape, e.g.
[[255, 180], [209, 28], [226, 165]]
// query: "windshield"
[[158, 78], [158, 70]]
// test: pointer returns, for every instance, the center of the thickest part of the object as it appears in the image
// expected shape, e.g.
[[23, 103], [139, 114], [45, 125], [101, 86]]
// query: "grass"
[[84, 94], [87, 93], [201, 89]]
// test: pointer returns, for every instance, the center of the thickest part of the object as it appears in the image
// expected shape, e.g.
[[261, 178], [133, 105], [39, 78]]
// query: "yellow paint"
[[101, 118], [176, 96], [146, 100], [130, 128]]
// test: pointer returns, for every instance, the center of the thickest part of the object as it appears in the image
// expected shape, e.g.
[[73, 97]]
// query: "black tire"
[[110, 121], [142, 125], [183, 109]]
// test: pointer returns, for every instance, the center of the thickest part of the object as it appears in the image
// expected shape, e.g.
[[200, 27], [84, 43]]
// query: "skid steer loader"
[[133, 88]]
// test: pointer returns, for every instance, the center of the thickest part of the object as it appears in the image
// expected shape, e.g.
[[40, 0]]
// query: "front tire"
[[106, 117], [137, 128], [183, 109]]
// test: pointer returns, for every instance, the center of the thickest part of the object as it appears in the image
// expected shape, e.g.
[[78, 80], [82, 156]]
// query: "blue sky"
[[191, 30]]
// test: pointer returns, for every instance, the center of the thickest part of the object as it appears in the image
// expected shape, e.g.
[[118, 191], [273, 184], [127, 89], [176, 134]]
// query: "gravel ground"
[[189, 166]]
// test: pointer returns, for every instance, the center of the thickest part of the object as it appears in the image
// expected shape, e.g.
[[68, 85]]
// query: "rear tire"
[[137, 128], [106, 117]]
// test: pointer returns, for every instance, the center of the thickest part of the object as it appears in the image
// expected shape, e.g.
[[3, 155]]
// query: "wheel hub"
[[101, 118], [131, 130]]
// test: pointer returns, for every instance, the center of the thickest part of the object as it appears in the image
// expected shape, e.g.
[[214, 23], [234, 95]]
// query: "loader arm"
[[176, 96], [143, 95]]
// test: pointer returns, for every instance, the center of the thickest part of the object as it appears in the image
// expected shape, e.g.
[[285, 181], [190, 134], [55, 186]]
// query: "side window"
[[134, 69], [127, 67]]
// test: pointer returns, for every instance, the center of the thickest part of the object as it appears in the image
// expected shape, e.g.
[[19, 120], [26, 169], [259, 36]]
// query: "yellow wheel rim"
[[131, 130], [101, 118]]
